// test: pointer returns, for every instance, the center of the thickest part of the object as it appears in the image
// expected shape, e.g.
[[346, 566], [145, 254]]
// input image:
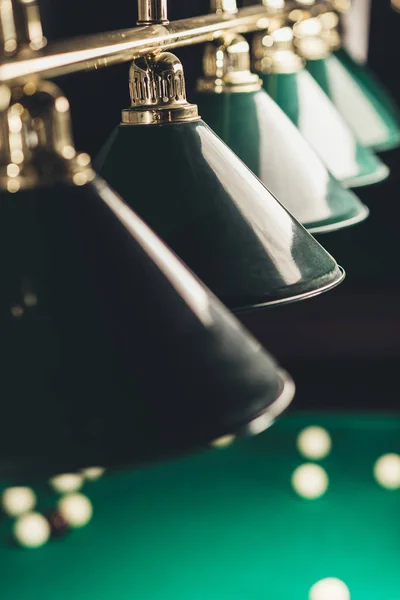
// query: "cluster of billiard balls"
[[311, 481], [73, 510]]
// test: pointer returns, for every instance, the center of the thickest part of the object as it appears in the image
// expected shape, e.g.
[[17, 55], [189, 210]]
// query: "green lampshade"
[[204, 202], [216, 215], [280, 57], [261, 134], [324, 128], [360, 98], [228, 525], [112, 352]]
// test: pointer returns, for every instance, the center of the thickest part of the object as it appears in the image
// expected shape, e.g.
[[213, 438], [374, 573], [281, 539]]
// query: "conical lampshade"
[[206, 204], [259, 132], [312, 111], [112, 352], [360, 98]]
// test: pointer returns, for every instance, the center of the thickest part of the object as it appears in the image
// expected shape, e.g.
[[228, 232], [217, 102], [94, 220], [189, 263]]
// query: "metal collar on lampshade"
[[317, 29], [158, 92], [310, 40], [274, 51], [38, 148], [226, 67]]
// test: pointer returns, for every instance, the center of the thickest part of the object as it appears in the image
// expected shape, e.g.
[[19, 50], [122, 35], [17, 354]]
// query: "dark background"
[[343, 348]]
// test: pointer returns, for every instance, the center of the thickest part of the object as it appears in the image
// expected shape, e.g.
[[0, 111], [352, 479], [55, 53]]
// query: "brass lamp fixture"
[[204, 202], [363, 102], [233, 103], [113, 353], [280, 56]]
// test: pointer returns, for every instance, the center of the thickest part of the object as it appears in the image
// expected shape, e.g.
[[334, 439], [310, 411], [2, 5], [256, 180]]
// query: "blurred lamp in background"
[[232, 101], [280, 56], [363, 102]]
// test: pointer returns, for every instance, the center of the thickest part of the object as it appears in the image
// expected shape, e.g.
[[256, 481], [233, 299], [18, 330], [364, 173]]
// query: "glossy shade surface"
[[360, 98], [228, 525], [112, 352], [267, 141], [216, 215], [324, 128]]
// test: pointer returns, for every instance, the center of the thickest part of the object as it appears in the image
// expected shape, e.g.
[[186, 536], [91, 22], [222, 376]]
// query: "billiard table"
[[228, 524]]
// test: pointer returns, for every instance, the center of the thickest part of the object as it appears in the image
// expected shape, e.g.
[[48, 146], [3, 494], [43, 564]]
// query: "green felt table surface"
[[227, 524]]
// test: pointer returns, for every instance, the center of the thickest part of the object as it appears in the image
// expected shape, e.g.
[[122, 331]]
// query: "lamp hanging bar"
[[106, 49]]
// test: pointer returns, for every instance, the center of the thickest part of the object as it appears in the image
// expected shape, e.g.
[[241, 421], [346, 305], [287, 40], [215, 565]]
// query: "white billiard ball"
[[18, 500], [310, 481], [75, 509], [329, 589], [387, 471], [32, 530], [314, 443]]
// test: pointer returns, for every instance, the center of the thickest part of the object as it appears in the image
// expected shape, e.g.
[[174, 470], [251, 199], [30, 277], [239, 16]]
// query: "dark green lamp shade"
[[228, 525], [324, 128], [263, 136], [112, 353], [360, 98], [216, 215]]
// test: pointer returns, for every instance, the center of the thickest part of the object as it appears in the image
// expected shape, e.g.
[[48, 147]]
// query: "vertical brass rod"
[[152, 12], [224, 6]]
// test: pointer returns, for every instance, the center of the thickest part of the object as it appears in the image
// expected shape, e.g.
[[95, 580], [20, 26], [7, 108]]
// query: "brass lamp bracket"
[[226, 66], [36, 140]]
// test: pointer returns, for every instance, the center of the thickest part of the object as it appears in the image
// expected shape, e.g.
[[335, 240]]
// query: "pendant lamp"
[[234, 105], [204, 202], [285, 78], [113, 353], [360, 98]]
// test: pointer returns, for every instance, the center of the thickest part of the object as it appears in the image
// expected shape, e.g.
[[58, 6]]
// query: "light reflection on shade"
[[387, 471], [310, 481], [329, 589], [325, 130], [261, 211], [307, 199], [355, 106], [183, 281], [260, 424], [224, 441], [314, 443]]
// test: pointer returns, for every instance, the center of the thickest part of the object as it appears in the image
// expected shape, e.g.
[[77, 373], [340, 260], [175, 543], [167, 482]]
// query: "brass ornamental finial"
[[158, 92]]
